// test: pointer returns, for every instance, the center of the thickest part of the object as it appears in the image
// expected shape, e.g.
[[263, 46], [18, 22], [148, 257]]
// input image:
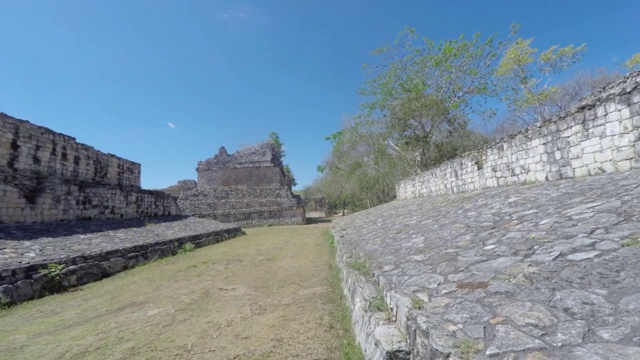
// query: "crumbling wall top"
[[264, 154]]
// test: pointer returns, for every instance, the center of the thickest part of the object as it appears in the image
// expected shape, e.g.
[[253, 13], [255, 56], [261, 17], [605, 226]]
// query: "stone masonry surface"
[[543, 271], [248, 187], [92, 250], [600, 135], [47, 176]]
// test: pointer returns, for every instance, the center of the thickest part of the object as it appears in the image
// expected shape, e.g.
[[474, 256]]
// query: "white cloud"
[[171, 125], [235, 14]]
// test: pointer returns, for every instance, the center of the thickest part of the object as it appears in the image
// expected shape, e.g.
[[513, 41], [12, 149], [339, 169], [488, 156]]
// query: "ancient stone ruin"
[[47, 176], [248, 187]]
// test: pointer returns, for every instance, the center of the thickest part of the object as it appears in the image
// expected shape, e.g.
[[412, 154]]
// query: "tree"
[[274, 138], [425, 92], [527, 78], [633, 62], [568, 94]]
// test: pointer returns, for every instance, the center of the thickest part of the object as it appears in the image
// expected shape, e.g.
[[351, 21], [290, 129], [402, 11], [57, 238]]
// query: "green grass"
[[360, 266], [341, 314], [417, 303], [466, 348], [631, 242], [378, 304], [273, 294], [186, 247]]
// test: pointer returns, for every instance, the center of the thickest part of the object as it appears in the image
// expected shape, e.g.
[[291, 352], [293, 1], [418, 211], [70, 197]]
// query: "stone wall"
[[248, 206], [88, 259], [47, 176], [600, 135], [248, 187], [25, 147]]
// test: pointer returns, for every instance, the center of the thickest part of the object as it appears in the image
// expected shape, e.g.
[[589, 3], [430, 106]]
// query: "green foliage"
[[331, 239], [631, 242], [425, 91], [378, 304], [526, 76], [633, 62], [466, 348], [417, 303], [53, 272], [360, 266], [4, 302], [274, 138], [341, 313], [186, 247]]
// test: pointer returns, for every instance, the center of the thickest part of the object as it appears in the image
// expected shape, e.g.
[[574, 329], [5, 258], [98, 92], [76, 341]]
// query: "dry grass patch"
[[267, 295]]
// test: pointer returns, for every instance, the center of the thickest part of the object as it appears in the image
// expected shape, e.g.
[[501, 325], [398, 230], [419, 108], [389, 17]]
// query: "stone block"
[[588, 159], [613, 116], [624, 153], [580, 172], [624, 165], [626, 125], [612, 128], [592, 149], [635, 97], [610, 107], [608, 166], [625, 114]]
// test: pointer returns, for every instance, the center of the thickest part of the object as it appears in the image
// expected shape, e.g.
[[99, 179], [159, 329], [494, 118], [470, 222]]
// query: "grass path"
[[272, 294]]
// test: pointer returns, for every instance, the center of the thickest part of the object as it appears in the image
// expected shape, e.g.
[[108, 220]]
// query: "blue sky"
[[166, 83]]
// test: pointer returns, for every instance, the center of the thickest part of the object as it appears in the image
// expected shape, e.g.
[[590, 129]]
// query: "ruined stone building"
[[248, 187], [48, 176]]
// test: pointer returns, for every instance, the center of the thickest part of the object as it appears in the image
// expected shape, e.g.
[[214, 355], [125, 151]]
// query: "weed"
[[360, 266], [4, 303], [417, 303], [331, 239], [341, 313], [186, 247], [466, 348], [54, 273], [631, 242], [378, 304]]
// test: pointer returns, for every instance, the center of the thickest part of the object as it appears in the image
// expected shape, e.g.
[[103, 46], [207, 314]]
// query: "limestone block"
[[588, 159], [612, 128], [581, 171], [592, 149], [635, 97], [601, 111], [614, 116], [624, 165], [610, 107], [597, 131], [605, 155], [595, 169], [625, 113], [624, 153], [626, 125], [608, 166]]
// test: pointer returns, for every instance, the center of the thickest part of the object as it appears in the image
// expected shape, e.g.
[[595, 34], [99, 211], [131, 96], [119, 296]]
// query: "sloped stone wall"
[[248, 206], [599, 135], [47, 176]]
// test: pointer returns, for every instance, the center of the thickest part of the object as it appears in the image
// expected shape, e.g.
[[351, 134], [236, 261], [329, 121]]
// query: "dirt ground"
[[265, 295]]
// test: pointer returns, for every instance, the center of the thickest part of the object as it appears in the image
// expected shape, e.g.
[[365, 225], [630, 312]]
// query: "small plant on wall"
[[53, 272]]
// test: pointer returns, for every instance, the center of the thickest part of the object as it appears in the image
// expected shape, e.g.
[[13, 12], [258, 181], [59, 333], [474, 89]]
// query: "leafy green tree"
[[274, 138], [633, 62], [527, 76], [568, 94], [426, 91]]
